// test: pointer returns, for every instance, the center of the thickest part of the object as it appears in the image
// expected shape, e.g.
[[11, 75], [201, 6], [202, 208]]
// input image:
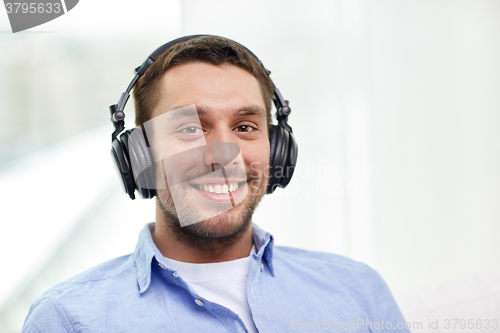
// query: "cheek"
[[179, 156], [167, 147], [173, 169], [256, 157]]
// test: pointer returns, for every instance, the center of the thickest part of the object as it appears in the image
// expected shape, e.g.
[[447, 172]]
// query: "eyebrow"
[[250, 110], [203, 111], [181, 111]]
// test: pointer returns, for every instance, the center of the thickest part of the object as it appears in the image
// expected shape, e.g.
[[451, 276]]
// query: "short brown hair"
[[210, 49]]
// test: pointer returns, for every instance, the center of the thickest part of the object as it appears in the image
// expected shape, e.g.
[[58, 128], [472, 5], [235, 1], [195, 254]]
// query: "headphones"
[[134, 161]]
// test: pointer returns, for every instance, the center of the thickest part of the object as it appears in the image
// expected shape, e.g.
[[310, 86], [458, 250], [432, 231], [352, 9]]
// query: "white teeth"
[[233, 187], [216, 188]]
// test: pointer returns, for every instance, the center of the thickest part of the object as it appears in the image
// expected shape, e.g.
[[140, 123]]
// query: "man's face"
[[213, 137]]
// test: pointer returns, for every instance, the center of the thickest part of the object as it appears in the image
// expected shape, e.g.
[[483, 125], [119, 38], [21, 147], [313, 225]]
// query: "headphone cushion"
[[290, 160], [275, 156], [273, 130], [282, 158], [141, 161], [121, 161], [282, 149]]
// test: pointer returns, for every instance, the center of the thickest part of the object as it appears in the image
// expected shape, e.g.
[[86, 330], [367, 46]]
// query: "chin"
[[225, 225], [194, 216]]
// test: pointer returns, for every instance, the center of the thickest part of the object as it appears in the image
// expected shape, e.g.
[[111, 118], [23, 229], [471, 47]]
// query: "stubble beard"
[[217, 233]]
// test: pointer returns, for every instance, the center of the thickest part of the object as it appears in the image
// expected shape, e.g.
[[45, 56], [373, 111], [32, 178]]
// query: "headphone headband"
[[118, 115]]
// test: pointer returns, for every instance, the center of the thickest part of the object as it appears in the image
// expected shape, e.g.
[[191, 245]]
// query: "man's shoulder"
[[107, 273], [340, 284], [322, 271], [86, 292], [321, 261]]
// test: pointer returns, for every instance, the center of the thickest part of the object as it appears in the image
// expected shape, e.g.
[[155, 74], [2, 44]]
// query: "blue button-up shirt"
[[288, 290]]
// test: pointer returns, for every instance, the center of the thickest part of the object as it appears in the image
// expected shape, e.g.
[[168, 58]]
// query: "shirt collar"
[[264, 243], [146, 250]]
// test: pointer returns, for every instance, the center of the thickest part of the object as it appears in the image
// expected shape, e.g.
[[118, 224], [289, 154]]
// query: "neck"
[[185, 244]]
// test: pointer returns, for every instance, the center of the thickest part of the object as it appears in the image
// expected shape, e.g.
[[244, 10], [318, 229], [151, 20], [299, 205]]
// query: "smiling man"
[[206, 151], [229, 113]]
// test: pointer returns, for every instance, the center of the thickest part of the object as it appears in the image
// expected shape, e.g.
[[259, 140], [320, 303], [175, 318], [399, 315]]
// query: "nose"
[[221, 150], [220, 154]]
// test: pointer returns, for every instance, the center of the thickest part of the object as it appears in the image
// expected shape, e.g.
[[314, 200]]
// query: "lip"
[[231, 197]]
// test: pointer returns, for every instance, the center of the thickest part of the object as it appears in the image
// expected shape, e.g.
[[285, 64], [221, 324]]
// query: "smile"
[[218, 188]]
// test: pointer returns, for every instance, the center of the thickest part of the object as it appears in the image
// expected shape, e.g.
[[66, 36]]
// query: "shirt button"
[[261, 267], [199, 302]]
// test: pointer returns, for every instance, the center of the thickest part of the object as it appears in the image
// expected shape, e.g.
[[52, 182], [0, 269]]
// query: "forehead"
[[223, 89]]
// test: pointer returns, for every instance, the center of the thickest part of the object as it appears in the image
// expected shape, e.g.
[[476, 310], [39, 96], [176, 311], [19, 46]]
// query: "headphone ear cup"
[[272, 142], [273, 133], [290, 160], [281, 152], [121, 159], [142, 163], [276, 139], [282, 157]]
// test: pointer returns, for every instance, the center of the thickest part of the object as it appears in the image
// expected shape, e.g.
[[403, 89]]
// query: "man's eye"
[[244, 128], [192, 130]]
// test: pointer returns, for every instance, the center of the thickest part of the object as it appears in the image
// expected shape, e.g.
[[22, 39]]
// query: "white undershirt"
[[224, 283]]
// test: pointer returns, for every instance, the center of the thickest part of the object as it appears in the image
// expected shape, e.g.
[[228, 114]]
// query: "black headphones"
[[133, 158]]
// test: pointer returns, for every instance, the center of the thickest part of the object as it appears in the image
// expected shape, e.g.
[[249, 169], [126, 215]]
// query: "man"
[[203, 113]]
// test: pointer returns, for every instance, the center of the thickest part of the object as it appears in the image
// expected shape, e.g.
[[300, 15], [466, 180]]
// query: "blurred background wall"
[[396, 108]]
